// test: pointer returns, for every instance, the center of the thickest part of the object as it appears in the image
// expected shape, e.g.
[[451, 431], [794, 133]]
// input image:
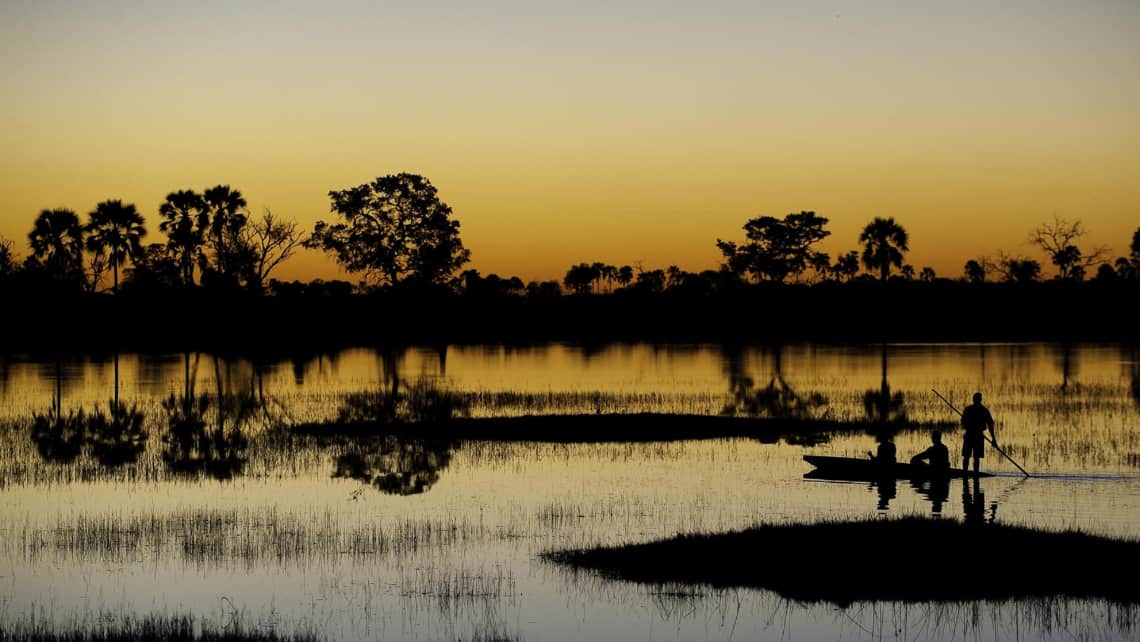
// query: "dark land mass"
[[909, 560], [613, 427], [201, 319]]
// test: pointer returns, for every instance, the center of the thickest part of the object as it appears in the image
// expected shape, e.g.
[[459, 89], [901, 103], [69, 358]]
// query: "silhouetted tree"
[[116, 229], [1106, 273], [884, 243], [907, 272], [492, 285], [1126, 268], [7, 259], [154, 268], [228, 257], [605, 276], [1058, 240], [1016, 269], [625, 275], [56, 241], [651, 281], [846, 266], [1129, 267], [269, 242], [776, 248], [976, 271], [543, 289], [580, 278], [185, 221], [927, 274], [395, 228]]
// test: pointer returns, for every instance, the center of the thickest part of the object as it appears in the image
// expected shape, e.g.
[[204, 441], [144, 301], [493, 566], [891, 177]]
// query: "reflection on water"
[[394, 465], [188, 486]]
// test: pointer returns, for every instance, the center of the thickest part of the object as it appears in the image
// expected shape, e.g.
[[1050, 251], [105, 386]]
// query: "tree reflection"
[[1067, 363], [885, 410], [1135, 375], [59, 438], [776, 400], [194, 446], [117, 438], [114, 438], [397, 466]]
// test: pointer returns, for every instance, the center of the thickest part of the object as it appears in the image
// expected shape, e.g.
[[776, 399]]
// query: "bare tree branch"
[[272, 241]]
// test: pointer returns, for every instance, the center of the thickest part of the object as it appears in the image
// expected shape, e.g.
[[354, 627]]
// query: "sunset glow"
[[617, 132]]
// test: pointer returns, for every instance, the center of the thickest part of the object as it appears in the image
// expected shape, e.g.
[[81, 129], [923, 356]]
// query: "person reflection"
[[936, 490], [888, 490], [974, 503]]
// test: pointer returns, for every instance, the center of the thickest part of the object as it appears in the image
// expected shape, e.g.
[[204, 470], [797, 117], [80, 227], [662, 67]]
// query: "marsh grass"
[[179, 628], [243, 538], [450, 588]]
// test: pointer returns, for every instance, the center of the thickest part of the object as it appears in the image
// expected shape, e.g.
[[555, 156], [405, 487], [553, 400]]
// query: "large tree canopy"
[[776, 248], [395, 229]]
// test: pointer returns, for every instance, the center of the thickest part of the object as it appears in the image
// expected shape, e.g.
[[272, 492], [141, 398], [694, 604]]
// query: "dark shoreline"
[[909, 560], [614, 427], [204, 320]]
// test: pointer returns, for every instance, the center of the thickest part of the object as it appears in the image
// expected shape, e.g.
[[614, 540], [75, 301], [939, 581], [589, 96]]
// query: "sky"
[[616, 131]]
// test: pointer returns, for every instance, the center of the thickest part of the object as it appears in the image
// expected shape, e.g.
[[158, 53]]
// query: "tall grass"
[[178, 628]]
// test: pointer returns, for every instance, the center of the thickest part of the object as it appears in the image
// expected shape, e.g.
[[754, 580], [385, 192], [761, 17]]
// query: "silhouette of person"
[[885, 453], [937, 456], [976, 418]]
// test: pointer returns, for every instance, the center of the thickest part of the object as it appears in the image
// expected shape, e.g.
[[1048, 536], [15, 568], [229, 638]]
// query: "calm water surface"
[[412, 540]]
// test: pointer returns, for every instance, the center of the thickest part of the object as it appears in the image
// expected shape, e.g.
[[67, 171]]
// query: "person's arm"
[[990, 425], [920, 457]]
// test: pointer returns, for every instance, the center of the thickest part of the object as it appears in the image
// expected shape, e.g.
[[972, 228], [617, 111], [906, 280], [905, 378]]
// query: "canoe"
[[855, 469]]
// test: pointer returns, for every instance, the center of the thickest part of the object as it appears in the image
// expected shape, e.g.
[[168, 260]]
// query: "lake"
[[208, 504]]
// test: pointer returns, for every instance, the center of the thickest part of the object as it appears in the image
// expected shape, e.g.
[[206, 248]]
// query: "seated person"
[[885, 453], [937, 456]]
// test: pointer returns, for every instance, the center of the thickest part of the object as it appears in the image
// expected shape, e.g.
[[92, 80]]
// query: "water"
[[264, 530]]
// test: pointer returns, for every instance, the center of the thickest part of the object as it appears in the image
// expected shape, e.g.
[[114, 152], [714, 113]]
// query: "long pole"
[[992, 442]]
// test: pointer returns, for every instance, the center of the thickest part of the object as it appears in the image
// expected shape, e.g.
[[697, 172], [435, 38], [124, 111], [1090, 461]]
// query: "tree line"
[[395, 233], [211, 240]]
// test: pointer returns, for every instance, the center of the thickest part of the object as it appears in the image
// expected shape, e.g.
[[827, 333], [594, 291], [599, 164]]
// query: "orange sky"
[[615, 131]]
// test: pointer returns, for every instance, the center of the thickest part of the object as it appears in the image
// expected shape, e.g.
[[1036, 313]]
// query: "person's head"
[[977, 397], [936, 436]]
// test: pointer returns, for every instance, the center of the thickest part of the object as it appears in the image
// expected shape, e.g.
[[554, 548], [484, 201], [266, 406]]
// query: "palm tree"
[[224, 206], [56, 240], [185, 221], [884, 242], [117, 229]]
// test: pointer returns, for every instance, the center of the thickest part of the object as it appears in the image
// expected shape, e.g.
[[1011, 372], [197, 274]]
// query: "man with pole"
[[980, 419], [976, 418]]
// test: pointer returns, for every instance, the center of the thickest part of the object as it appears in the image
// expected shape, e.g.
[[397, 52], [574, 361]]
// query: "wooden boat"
[[855, 469]]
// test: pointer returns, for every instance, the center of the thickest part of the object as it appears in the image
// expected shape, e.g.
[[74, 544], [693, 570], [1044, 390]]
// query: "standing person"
[[976, 418]]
